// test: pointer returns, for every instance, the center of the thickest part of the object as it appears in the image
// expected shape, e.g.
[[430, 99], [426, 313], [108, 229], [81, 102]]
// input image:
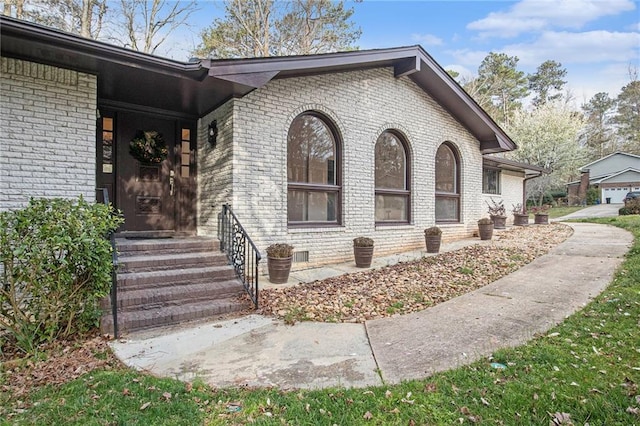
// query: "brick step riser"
[[173, 250], [144, 300], [131, 323], [134, 281], [149, 265], [168, 248]]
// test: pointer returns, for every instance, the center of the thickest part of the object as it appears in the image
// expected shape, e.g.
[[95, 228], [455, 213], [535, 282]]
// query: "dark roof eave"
[[528, 169], [411, 61], [58, 42], [236, 77]]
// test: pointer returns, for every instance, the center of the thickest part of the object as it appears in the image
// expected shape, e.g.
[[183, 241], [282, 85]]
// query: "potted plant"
[[485, 228], [541, 214], [433, 237], [363, 251], [520, 218], [497, 213], [279, 258]]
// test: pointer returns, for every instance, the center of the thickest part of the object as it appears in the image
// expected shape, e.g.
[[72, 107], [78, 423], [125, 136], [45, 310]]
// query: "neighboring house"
[[613, 176], [308, 150]]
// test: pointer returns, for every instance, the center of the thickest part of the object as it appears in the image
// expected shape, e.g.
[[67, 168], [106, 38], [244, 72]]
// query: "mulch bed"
[[412, 286]]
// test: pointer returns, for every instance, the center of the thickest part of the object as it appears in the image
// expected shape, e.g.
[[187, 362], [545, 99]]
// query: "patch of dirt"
[[412, 286]]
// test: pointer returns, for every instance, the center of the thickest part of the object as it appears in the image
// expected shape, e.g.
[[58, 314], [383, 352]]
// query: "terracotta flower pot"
[[363, 256], [499, 222], [279, 268], [433, 243], [520, 219]]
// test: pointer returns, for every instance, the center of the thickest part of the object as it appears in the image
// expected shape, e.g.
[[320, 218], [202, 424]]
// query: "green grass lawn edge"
[[583, 371]]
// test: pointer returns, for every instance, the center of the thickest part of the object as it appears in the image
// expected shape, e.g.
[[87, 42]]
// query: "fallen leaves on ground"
[[412, 286], [65, 361]]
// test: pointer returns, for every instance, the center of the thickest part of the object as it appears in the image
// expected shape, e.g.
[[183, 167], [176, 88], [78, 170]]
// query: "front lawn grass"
[[586, 370], [559, 211]]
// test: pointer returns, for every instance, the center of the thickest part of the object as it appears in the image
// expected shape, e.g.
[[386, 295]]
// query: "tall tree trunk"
[[85, 20]]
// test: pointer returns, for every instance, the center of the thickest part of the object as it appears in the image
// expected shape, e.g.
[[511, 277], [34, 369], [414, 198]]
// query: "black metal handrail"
[[241, 251], [114, 269]]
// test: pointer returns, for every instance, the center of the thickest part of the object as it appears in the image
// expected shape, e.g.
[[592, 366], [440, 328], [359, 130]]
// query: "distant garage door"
[[616, 194]]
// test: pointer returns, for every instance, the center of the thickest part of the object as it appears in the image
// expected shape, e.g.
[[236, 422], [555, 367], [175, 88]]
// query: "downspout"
[[524, 192]]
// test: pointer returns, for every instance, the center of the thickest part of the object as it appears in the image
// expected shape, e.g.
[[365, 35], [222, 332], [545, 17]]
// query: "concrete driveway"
[[599, 210]]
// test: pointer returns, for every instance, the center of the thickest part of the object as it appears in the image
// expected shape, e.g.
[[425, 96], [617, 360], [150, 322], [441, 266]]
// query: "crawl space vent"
[[301, 256]]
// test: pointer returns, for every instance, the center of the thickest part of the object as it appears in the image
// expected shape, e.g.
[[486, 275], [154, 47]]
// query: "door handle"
[[172, 182]]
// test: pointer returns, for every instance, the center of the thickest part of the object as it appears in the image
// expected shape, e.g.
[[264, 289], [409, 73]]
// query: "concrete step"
[[132, 321], [159, 262], [154, 298], [171, 277]]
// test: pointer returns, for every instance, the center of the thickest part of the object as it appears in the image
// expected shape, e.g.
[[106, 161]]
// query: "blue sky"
[[595, 40]]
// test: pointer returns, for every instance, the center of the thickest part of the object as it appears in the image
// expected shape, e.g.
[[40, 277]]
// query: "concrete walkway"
[[261, 351]]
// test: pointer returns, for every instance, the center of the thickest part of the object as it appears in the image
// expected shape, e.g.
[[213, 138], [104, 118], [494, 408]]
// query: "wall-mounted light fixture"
[[212, 133]]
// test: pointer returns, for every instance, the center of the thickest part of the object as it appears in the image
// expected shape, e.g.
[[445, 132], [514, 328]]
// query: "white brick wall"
[[361, 104], [47, 133], [510, 193], [215, 168]]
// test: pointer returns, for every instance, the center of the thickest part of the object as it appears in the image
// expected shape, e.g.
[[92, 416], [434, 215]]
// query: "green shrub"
[[56, 265], [592, 195], [630, 207]]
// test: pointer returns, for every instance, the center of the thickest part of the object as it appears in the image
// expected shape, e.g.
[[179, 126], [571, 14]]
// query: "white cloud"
[[609, 79], [577, 48], [538, 15], [468, 57], [596, 61], [427, 39]]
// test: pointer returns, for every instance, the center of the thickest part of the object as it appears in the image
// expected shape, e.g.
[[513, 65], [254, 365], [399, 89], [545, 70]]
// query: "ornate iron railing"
[[114, 269], [241, 251]]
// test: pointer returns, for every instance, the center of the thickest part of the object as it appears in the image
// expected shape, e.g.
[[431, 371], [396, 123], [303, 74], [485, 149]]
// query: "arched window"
[[392, 179], [447, 184], [313, 171]]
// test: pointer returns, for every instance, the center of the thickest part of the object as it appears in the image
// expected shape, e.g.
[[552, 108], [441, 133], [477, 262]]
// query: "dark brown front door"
[[145, 191]]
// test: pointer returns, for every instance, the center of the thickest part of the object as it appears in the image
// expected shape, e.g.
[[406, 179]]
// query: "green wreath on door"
[[148, 147]]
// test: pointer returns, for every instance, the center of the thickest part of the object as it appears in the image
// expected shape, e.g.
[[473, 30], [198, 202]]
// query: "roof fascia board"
[[94, 49]]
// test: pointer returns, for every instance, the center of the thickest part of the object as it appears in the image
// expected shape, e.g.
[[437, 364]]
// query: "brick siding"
[[361, 104], [47, 133]]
